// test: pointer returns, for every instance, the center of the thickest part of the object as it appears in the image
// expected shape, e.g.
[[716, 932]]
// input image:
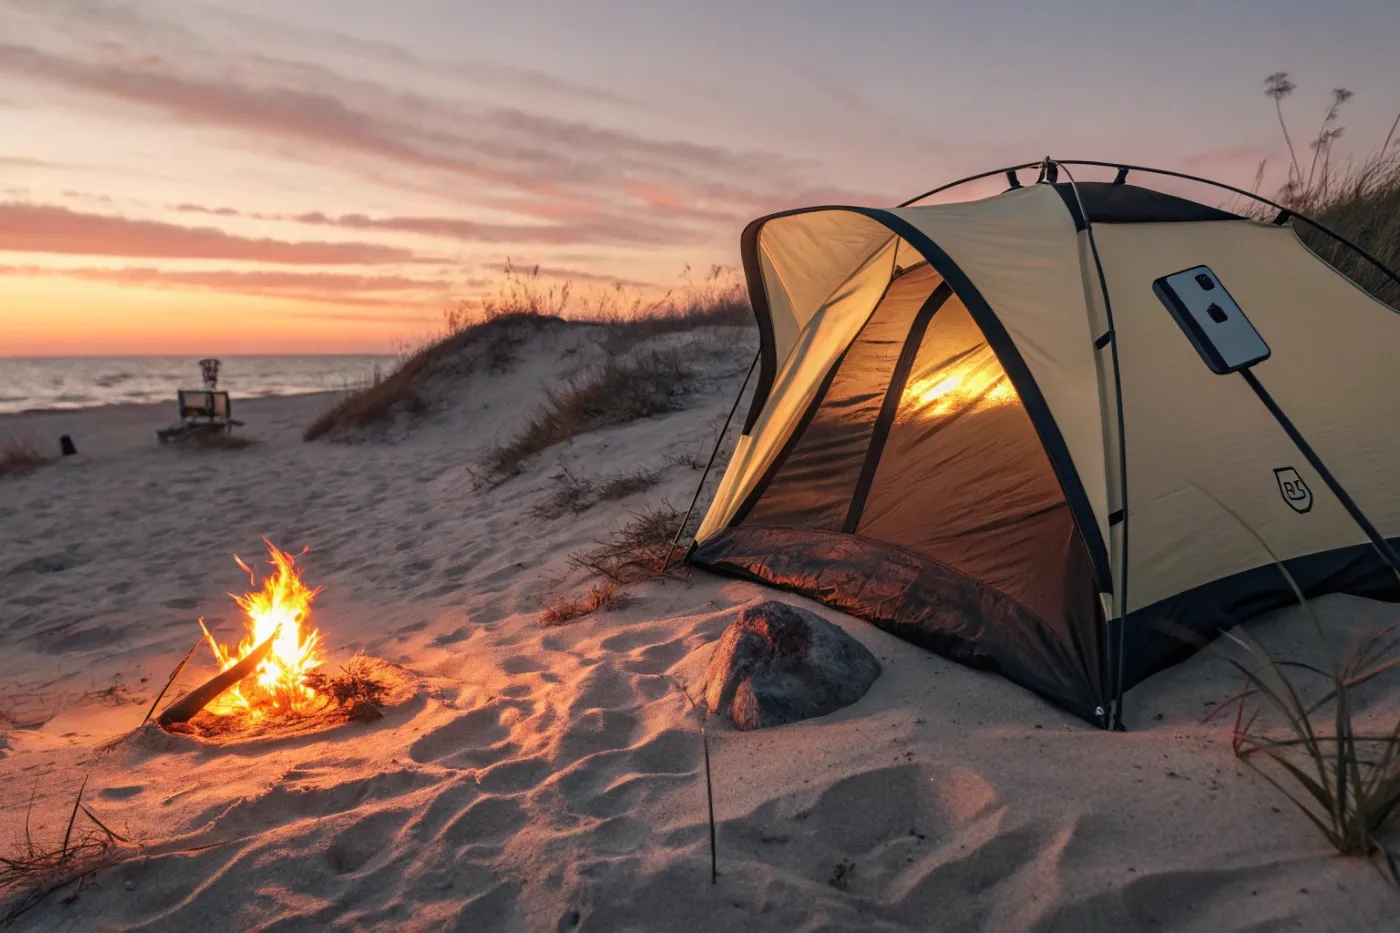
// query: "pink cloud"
[[40, 228]]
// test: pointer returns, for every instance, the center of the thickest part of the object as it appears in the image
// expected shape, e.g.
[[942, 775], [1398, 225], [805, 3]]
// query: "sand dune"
[[551, 778]]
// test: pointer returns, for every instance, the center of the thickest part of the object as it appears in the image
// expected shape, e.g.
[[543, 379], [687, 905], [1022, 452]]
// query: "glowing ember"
[[280, 607]]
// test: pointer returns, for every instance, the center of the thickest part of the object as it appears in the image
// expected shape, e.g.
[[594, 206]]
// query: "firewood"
[[185, 708]]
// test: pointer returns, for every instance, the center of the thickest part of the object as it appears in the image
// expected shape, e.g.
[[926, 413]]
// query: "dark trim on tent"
[[1020, 375], [997, 338], [1313, 222], [758, 300], [1122, 203], [764, 481], [1171, 630], [880, 431]]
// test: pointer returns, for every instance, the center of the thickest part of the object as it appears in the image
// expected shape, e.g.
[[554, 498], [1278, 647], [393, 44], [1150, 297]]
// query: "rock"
[[778, 664]]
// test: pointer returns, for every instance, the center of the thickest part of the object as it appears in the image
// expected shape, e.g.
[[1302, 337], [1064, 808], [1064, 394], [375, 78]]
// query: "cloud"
[[41, 228], [517, 157], [386, 291]]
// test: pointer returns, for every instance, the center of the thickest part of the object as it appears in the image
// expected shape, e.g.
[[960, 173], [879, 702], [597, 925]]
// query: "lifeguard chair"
[[201, 411]]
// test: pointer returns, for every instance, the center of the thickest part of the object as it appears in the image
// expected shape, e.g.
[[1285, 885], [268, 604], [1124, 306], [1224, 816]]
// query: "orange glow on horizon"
[[56, 316]]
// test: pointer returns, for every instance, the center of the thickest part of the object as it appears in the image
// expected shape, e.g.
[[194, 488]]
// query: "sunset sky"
[[328, 175]]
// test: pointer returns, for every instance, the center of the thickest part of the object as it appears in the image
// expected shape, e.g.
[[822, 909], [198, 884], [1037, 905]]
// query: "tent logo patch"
[[1295, 492]]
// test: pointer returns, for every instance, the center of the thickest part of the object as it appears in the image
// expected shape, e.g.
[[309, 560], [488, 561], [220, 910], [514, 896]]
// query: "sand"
[[551, 778]]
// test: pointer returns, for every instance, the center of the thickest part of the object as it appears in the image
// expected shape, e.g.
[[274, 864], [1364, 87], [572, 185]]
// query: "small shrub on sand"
[[358, 690], [651, 382], [19, 457], [601, 597], [637, 551], [575, 495]]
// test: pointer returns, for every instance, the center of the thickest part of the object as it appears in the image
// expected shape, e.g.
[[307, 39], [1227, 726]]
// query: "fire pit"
[[271, 682]]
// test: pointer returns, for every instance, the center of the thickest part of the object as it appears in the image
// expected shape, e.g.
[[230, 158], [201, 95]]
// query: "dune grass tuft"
[[1359, 199], [1339, 773], [19, 457], [574, 495], [600, 597], [637, 551], [648, 382]]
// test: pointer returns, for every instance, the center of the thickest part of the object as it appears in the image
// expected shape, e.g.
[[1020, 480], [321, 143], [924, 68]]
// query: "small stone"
[[778, 664], [129, 885]]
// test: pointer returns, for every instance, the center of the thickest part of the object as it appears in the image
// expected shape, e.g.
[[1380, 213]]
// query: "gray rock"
[[778, 664]]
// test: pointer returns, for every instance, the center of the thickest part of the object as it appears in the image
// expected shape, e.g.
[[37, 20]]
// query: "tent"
[[962, 409]]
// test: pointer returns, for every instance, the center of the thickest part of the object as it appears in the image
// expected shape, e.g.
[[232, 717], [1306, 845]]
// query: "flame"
[[280, 608], [980, 381]]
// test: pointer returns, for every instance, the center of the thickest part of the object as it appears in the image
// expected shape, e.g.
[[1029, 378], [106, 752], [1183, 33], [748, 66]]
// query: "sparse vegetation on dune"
[[645, 383], [486, 333], [403, 390], [637, 551], [1359, 199], [574, 495], [19, 457]]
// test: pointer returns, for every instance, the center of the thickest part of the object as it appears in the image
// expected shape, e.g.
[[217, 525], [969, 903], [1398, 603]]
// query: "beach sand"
[[552, 779]]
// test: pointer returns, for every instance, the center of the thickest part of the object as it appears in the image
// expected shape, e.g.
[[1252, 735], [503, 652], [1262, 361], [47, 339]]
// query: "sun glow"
[[979, 381], [279, 609]]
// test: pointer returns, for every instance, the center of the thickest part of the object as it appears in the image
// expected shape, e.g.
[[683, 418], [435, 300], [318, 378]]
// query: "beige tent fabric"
[[1195, 437], [1021, 252], [805, 258], [820, 344], [1019, 248]]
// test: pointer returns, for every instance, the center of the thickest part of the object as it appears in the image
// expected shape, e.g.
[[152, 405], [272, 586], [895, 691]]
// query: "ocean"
[[83, 382]]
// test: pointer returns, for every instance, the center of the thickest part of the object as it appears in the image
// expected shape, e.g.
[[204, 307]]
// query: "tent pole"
[[1123, 168], [675, 543], [1120, 592]]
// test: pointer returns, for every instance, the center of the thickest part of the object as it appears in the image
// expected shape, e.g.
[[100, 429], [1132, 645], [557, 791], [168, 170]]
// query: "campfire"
[[277, 612], [272, 679]]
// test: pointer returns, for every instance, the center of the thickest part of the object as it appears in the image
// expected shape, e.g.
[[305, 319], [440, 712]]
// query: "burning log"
[[191, 703]]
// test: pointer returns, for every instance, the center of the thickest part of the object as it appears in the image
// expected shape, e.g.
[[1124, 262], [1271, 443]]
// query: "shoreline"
[[245, 399]]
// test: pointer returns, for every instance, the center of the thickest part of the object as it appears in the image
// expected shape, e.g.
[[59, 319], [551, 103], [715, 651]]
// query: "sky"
[[323, 176]]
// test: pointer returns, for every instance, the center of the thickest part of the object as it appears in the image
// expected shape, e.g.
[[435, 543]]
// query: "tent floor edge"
[[918, 600]]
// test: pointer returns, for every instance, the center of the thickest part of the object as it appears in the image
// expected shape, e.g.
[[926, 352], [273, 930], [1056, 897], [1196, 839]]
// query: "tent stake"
[[675, 542]]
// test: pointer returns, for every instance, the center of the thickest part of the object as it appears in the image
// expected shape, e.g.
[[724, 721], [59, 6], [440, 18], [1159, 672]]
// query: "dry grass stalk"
[[1360, 200], [1342, 777], [33, 871], [637, 551], [575, 495], [651, 382], [600, 597], [19, 457]]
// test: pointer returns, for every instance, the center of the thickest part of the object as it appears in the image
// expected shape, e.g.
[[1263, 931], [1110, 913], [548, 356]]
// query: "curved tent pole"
[[675, 542], [1120, 592], [1123, 168], [963, 181]]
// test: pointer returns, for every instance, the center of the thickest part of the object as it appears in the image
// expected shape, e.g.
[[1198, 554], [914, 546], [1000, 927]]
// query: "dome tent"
[[955, 402]]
